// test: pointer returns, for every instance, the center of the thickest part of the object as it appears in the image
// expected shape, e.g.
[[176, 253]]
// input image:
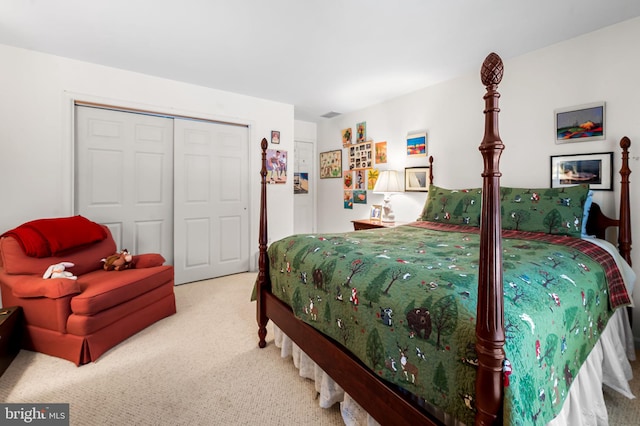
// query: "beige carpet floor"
[[201, 366]]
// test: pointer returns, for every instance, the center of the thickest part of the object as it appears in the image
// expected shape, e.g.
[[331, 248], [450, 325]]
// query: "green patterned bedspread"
[[403, 300]]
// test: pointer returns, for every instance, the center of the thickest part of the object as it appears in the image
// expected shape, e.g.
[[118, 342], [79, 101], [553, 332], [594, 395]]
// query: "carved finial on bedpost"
[[624, 234], [490, 317], [262, 250], [492, 70]]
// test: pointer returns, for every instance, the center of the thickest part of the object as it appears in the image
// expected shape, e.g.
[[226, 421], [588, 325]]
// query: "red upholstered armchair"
[[81, 319]]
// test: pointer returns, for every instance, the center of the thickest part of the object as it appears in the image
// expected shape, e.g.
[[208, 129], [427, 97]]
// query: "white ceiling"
[[319, 55]]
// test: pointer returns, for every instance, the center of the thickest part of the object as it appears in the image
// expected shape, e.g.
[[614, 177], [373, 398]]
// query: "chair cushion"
[[102, 289]]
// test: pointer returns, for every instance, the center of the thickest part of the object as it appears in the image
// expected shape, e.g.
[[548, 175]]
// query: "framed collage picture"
[[361, 156]]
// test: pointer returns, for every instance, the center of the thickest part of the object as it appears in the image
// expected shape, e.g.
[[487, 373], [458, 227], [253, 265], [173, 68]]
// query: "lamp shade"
[[388, 181]]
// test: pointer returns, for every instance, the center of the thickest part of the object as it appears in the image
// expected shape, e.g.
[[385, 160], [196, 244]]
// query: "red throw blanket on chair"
[[50, 237]]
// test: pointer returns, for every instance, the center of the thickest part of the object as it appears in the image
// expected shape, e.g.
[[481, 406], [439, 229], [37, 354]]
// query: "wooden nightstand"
[[361, 224], [10, 335]]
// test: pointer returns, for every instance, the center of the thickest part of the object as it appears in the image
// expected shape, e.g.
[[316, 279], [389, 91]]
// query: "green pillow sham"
[[557, 211], [456, 206]]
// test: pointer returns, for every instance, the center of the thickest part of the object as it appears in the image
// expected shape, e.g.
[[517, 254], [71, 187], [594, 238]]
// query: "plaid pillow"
[[456, 206], [557, 211]]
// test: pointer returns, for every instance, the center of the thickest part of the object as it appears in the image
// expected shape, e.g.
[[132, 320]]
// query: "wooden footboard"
[[383, 402]]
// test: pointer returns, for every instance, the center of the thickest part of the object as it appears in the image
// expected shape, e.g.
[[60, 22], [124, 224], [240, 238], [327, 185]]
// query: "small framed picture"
[[416, 179], [417, 145], [346, 136], [594, 169], [376, 211], [580, 123], [275, 136], [381, 152], [361, 132]]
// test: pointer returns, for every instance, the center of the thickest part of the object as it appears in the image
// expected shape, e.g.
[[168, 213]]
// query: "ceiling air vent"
[[330, 114]]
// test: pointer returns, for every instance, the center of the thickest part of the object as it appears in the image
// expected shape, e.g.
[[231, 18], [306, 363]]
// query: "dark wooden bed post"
[[490, 309], [263, 266], [430, 169], [624, 230], [624, 234]]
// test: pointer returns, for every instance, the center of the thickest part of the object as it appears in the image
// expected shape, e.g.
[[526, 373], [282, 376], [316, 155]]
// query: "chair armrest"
[[147, 260], [28, 286]]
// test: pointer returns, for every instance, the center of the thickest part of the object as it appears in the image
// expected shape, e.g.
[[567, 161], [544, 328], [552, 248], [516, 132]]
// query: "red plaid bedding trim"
[[618, 295]]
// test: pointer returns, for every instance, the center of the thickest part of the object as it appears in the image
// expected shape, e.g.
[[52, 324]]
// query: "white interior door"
[[124, 177], [304, 195], [211, 196]]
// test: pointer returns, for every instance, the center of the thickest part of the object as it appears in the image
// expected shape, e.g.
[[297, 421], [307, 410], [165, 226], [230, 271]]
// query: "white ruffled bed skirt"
[[607, 364]]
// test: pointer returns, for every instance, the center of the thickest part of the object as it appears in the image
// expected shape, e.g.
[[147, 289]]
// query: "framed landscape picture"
[[580, 123], [594, 169]]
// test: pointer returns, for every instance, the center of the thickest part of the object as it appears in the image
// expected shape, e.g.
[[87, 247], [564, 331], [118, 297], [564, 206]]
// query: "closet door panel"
[[124, 177], [211, 200]]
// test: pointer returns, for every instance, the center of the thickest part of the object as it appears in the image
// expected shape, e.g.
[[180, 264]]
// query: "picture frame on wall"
[[416, 179], [593, 169], [331, 164], [347, 136], [361, 156], [361, 132], [381, 152], [417, 144], [275, 136], [372, 178], [300, 183], [276, 166], [580, 123]]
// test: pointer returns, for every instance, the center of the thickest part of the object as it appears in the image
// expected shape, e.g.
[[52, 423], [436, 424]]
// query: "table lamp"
[[388, 182]]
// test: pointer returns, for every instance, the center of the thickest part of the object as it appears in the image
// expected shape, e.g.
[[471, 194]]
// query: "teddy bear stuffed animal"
[[58, 271]]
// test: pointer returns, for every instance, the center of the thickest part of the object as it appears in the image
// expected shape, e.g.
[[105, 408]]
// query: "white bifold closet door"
[[211, 199], [166, 185], [124, 177]]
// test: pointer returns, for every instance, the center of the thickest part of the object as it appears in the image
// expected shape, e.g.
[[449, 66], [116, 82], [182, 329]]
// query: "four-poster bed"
[[284, 275]]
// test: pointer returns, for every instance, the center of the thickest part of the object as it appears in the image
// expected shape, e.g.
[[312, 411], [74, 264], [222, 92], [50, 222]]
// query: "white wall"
[[36, 136], [600, 66]]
